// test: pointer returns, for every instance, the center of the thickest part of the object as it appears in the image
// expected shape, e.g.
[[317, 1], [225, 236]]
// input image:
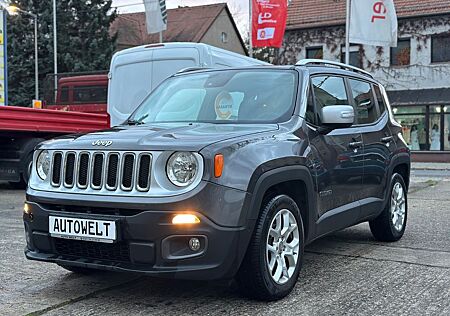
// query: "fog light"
[[185, 219], [194, 244]]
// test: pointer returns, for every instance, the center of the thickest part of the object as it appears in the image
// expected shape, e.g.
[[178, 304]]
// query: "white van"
[[136, 71]]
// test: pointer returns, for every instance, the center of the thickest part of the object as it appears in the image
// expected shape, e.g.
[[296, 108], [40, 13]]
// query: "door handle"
[[387, 139], [355, 145]]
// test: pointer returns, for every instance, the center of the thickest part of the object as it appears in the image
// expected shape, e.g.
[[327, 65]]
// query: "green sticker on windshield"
[[224, 105]]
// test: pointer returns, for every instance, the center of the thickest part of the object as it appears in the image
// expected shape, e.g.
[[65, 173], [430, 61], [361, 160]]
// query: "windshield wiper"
[[134, 122], [140, 121]]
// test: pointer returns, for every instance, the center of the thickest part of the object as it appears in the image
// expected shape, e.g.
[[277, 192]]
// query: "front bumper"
[[147, 240]]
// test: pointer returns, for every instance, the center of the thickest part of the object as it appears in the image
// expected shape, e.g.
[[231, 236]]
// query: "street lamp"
[[13, 10]]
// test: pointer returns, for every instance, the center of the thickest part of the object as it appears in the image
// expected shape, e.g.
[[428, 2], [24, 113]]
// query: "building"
[[208, 24], [416, 73]]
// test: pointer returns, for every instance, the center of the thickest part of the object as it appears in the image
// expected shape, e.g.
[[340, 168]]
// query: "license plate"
[[82, 229]]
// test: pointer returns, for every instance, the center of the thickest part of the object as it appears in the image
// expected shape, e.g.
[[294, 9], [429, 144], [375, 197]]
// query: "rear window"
[[90, 94]]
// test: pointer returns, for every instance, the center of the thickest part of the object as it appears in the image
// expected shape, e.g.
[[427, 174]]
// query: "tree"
[[84, 42]]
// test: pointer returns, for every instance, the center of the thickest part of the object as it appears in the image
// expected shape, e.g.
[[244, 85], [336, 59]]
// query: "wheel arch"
[[294, 181]]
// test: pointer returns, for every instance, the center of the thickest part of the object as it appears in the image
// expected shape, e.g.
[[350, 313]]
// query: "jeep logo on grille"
[[104, 143]]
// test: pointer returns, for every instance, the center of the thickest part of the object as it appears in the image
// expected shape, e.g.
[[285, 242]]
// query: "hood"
[[164, 136]]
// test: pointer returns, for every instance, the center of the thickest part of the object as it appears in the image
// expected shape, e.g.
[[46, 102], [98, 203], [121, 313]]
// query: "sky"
[[239, 8]]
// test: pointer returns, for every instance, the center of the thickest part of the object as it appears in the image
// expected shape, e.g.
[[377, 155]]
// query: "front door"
[[337, 156]]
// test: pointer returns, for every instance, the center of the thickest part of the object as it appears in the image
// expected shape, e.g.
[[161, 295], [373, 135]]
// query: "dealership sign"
[[373, 22], [268, 22]]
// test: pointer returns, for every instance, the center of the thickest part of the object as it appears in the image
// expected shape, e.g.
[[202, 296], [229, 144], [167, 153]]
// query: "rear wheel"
[[390, 225], [274, 257]]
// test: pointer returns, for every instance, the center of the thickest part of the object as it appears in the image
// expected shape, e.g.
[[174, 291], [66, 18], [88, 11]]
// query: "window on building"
[[328, 91], [314, 52], [224, 37], [366, 111], [414, 126], [355, 56], [439, 48], [401, 55]]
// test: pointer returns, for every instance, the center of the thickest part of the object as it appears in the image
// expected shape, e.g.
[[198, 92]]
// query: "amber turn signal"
[[218, 165], [185, 219]]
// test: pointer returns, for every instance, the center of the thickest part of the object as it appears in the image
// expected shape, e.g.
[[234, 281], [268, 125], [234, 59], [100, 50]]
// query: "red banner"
[[268, 22]]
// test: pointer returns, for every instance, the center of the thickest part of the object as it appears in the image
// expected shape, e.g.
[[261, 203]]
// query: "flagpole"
[[347, 33], [250, 28]]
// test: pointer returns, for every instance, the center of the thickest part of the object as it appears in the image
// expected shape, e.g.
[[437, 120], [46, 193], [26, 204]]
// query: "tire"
[[25, 174], [255, 277], [27, 168], [383, 227], [78, 270]]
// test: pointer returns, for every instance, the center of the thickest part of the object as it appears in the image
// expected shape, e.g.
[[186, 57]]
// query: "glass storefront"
[[425, 128]]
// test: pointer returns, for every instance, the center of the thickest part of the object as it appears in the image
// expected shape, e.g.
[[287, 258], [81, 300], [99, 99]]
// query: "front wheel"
[[274, 257], [391, 223]]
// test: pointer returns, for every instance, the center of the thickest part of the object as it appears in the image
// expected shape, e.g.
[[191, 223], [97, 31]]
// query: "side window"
[[366, 110], [328, 91], [380, 99]]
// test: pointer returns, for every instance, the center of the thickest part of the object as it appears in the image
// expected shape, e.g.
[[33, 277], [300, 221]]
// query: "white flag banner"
[[156, 15], [373, 22]]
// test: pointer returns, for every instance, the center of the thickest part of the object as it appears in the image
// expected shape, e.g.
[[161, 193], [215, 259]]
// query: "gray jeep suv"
[[221, 174]]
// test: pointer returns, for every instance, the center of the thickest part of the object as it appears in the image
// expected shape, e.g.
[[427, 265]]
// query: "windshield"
[[230, 96]]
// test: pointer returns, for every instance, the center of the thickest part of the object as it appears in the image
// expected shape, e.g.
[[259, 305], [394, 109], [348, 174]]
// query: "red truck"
[[80, 107]]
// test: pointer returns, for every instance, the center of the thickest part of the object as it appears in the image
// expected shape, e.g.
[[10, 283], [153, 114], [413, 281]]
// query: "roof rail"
[[188, 69], [321, 62]]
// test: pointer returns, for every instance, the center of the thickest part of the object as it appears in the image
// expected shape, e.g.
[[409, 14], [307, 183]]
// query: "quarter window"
[[380, 99], [363, 98], [328, 91]]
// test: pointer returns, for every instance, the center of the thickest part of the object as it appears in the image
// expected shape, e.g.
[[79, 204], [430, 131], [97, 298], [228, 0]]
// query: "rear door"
[[372, 119]]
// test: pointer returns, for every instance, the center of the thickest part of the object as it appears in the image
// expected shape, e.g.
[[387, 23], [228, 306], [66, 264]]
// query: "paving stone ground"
[[347, 273]]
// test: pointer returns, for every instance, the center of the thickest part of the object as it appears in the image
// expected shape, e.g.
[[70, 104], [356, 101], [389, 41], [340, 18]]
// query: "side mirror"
[[337, 116]]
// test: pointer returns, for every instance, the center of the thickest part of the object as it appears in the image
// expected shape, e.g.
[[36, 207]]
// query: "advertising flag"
[[373, 22], [268, 22], [156, 15]]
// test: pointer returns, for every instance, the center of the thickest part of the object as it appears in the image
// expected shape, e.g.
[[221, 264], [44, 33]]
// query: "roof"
[[186, 24], [317, 13]]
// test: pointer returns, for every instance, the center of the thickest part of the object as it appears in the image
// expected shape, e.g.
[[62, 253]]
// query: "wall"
[[420, 74], [214, 35]]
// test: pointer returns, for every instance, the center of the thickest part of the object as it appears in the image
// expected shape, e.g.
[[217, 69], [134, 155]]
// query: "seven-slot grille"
[[95, 170]]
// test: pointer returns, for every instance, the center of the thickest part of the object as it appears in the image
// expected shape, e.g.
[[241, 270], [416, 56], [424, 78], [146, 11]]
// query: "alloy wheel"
[[282, 246]]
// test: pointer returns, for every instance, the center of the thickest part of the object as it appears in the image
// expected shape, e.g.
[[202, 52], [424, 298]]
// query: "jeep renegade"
[[224, 173]]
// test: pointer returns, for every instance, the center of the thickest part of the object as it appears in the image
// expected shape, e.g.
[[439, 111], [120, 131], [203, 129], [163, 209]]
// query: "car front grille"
[[94, 170], [118, 251]]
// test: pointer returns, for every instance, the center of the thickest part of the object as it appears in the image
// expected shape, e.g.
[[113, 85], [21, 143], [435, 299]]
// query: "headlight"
[[182, 168], [43, 164]]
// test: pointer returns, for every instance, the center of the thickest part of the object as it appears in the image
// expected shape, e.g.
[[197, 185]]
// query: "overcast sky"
[[239, 8]]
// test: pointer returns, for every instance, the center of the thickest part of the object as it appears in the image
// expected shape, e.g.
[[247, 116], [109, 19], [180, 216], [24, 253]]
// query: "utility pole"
[[347, 33], [55, 50], [250, 28]]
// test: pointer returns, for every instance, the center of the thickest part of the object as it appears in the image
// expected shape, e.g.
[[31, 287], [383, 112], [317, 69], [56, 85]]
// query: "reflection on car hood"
[[163, 136]]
